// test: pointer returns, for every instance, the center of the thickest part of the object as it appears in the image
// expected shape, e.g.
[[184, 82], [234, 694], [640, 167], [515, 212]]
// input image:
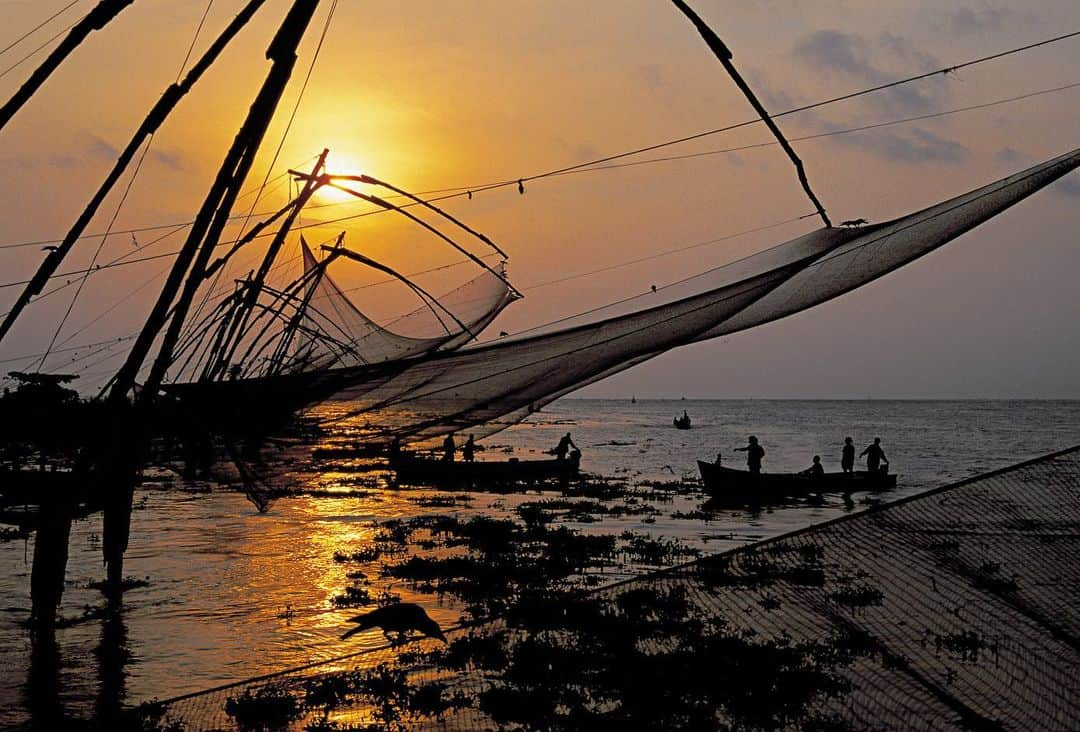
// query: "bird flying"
[[400, 619]]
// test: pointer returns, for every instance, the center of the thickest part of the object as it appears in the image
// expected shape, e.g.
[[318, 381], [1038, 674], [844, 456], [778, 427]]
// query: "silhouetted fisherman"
[[449, 448], [847, 457], [754, 453], [400, 618], [815, 470], [468, 450], [395, 449], [874, 456], [564, 447]]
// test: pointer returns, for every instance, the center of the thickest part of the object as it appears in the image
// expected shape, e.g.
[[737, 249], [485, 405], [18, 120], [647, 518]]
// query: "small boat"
[[414, 468], [730, 484], [682, 423]]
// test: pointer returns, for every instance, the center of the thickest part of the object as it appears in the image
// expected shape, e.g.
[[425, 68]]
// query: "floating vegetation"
[[442, 501], [581, 663], [809, 553], [752, 569], [151, 716], [945, 546], [858, 596], [988, 577], [965, 645], [370, 554], [655, 551], [581, 511], [354, 596], [695, 515], [265, 708]]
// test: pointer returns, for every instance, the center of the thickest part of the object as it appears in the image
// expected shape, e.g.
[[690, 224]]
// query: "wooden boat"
[[414, 468], [728, 483]]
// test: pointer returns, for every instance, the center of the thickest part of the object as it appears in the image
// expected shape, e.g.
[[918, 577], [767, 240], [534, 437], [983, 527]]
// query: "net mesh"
[[958, 608], [460, 315]]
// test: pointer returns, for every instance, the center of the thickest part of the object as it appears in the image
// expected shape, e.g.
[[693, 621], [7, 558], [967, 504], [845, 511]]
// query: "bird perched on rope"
[[399, 619]]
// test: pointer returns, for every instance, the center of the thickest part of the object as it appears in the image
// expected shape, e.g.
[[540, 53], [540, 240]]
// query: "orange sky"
[[430, 95]]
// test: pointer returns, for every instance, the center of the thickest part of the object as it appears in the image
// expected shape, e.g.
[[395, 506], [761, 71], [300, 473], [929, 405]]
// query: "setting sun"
[[340, 164]]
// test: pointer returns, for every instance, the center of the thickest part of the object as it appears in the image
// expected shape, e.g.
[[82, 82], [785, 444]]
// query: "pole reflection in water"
[[42, 693], [113, 655]]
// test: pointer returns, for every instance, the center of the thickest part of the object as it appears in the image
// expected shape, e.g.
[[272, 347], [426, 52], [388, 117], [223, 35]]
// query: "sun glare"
[[341, 164]]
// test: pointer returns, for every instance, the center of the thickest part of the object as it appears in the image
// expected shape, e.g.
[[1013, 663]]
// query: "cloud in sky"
[[966, 20], [917, 145], [888, 58], [101, 148]]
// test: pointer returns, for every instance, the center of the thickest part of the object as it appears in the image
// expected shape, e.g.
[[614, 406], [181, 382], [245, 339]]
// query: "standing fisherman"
[[847, 457], [754, 453], [448, 447], [564, 446], [874, 456], [468, 450]]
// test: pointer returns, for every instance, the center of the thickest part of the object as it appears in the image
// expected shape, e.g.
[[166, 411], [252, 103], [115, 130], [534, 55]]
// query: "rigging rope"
[[97, 253], [38, 27], [460, 190], [270, 168], [463, 190], [123, 199], [36, 51]]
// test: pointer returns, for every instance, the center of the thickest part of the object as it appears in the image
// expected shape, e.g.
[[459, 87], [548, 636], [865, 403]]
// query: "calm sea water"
[[232, 593]]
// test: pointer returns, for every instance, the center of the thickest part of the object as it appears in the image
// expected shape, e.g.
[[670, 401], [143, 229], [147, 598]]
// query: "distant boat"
[[683, 422], [633, 400], [740, 485], [413, 468]]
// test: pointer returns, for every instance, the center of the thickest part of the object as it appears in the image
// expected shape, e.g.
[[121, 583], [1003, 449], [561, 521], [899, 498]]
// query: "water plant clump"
[[858, 596], [354, 596], [265, 708], [645, 659], [655, 551]]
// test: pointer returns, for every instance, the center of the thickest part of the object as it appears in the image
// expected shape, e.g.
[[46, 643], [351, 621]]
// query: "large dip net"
[[955, 609], [484, 387]]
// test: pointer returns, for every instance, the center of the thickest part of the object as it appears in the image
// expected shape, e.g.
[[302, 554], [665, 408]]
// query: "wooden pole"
[[723, 54], [96, 19], [160, 111], [214, 213], [220, 361]]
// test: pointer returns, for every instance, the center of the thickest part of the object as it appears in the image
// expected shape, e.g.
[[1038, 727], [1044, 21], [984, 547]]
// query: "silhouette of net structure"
[[487, 387], [450, 321], [957, 608]]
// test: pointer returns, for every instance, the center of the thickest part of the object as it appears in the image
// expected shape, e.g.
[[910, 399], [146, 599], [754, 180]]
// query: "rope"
[[277, 153], [36, 51], [465, 190], [38, 27], [97, 253]]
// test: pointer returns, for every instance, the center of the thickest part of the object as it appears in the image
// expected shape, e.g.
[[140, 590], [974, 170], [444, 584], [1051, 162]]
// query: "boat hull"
[[727, 483], [414, 469]]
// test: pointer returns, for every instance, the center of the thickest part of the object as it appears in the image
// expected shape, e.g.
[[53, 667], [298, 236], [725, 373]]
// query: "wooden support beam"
[[723, 54]]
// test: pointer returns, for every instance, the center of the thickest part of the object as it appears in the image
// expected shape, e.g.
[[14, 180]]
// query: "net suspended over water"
[[445, 322], [486, 387]]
